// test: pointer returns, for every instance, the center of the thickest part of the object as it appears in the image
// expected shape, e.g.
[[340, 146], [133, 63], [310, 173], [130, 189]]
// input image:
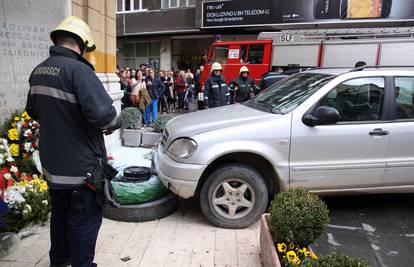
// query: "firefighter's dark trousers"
[[74, 225]]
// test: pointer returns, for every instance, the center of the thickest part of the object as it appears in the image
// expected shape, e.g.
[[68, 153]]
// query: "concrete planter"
[[268, 253], [132, 137], [150, 138]]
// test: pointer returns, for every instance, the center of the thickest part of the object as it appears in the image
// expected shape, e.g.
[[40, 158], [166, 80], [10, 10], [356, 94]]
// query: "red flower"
[[2, 182], [10, 183]]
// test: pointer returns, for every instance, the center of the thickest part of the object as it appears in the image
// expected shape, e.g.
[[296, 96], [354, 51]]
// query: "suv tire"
[[234, 196]]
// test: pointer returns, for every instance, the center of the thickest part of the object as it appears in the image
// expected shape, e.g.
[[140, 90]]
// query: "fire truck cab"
[[313, 48], [255, 55]]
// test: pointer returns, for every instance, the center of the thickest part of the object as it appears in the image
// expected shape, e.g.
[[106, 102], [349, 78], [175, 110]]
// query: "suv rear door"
[[351, 153]]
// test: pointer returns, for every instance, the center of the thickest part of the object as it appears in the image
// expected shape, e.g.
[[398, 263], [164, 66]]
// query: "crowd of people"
[[181, 91]]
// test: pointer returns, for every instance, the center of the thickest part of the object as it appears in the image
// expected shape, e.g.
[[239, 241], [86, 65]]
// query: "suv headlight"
[[182, 147]]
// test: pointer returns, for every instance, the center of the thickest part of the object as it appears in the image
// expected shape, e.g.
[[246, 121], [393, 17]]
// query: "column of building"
[[101, 17]]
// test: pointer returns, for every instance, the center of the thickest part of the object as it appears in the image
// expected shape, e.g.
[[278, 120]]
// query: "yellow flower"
[[313, 256], [13, 134], [281, 247], [291, 246], [296, 261], [291, 255], [14, 150], [16, 118], [24, 114]]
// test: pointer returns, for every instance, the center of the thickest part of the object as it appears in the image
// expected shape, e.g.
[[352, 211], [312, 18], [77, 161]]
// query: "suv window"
[[404, 92], [255, 54], [359, 99], [287, 94]]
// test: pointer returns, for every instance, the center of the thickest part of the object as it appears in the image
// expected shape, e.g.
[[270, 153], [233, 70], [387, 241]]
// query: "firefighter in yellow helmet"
[[244, 88], [74, 111], [216, 91]]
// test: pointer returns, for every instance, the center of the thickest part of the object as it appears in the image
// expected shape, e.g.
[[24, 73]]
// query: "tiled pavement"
[[184, 238]]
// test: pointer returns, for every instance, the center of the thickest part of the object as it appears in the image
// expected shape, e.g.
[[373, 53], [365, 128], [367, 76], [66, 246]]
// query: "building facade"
[[166, 34], [177, 34]]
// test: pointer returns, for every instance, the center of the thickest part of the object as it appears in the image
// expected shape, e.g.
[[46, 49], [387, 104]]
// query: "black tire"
[[244, 174], [144, 212]]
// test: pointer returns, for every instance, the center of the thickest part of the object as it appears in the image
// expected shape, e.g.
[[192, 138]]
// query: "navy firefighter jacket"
[[73, 109]]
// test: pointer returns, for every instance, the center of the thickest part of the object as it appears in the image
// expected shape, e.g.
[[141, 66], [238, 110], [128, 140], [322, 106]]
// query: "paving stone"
[[106, 259]]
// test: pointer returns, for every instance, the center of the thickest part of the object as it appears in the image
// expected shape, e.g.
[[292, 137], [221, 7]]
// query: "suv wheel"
[[234, 196]]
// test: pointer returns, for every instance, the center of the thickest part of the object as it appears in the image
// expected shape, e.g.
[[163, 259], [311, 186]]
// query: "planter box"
[[132, 137], [150, 138], [268, 253]]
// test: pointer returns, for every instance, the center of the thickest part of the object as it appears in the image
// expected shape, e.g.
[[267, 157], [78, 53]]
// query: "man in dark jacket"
[[156, 89], [244, 88], [216, 92], [74, 110]]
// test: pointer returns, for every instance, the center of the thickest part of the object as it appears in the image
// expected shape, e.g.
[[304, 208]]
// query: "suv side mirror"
[[323, 116]]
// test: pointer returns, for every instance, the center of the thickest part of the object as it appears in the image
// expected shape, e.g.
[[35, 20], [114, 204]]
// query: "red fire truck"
[[313, 48]]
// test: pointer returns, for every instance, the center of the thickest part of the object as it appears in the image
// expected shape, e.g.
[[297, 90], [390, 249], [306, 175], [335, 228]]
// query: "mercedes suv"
[[332, 131]]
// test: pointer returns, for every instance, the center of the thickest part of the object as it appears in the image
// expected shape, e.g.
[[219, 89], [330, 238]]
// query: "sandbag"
[[126, 193]]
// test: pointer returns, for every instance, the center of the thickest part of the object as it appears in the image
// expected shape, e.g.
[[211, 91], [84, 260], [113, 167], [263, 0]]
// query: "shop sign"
[[245, 13]]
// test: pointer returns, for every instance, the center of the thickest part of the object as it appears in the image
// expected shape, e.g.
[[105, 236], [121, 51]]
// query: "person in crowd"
[[156, 89], [133, 74], [243, 87], [163, 105], [75, 111], [129, 77], [170, 92], [198, 88], [126, 88], [181, 89], [360, 65], [189, 95], [216, 91], [138, 86]]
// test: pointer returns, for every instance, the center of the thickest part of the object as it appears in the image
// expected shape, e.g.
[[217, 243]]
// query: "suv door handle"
[[378, 132]]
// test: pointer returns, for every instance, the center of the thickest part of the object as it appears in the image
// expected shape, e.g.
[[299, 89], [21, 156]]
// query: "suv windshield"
[[285, 95]]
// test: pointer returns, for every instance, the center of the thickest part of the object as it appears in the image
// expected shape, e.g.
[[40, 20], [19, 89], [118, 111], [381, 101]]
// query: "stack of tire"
[[141, 196]]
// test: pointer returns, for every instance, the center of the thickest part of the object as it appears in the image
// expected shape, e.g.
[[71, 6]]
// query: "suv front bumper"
[[180, 178]]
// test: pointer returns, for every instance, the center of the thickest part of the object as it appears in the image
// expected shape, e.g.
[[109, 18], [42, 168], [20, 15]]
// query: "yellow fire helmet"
[[216, 66], [77, 27], [244, 69]]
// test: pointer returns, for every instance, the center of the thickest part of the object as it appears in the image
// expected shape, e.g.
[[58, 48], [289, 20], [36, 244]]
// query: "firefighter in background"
[[243, 87], [216, 91], [74, 111]]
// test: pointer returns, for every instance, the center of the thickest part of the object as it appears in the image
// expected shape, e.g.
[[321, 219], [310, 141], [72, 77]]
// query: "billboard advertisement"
[[244, 13]]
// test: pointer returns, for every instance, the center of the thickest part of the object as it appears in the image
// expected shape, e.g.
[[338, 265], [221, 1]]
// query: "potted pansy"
[[151, 136], [131, 126]]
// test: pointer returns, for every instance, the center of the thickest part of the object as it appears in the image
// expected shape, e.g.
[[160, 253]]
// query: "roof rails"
[[361, 68]]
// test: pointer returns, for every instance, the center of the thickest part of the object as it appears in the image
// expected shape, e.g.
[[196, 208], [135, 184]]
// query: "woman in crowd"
[[170, 92], [126, 100], [163, 98], [181, 89], [138, 86]]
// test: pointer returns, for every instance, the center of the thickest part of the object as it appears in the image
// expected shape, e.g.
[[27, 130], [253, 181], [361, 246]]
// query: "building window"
[[177, 3], [136, 54], [129, 6]]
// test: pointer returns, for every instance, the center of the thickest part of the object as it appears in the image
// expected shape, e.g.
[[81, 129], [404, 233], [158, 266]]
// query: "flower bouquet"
[[22, 186]]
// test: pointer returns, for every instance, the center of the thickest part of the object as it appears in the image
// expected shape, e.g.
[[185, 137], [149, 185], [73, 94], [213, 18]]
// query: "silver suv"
[[333, 131]]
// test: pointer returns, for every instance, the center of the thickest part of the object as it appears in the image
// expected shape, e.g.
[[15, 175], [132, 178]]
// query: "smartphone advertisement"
[[243, 13]]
